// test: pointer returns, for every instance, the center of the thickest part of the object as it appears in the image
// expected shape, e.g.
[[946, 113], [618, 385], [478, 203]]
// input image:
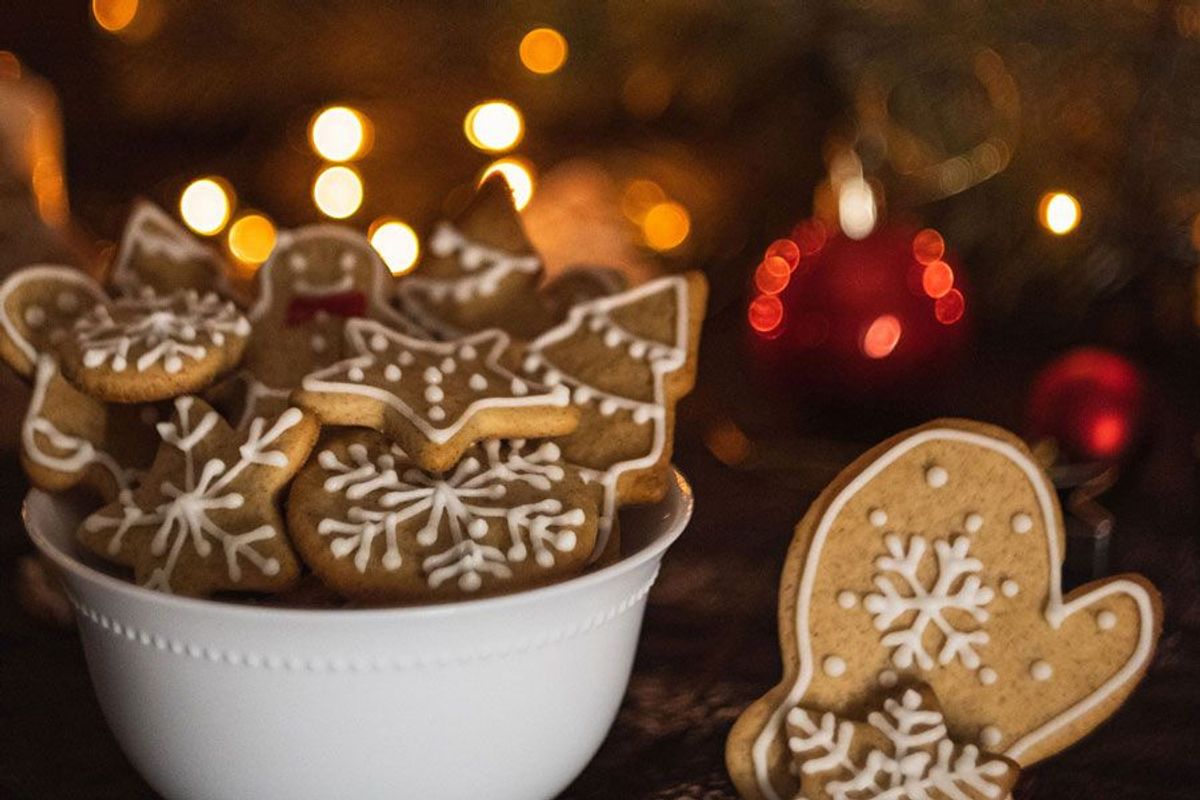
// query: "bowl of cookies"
[[345, 534]]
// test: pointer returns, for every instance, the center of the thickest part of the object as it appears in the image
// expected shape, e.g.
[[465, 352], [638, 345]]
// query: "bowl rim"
[[652, 550]]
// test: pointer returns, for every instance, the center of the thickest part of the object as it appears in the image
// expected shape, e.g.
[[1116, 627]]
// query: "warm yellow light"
[[397, 244], [114, 15], [205, 205], [494, 126], [251, 238], [543, 50], [1059, 213], [666, 225], [518, 175], [339, 133], [338, 191], [640, 196]]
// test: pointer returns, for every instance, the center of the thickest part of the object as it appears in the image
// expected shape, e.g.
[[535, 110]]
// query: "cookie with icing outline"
[[374, 526], [153, 347], [902, 750], [435, 399], [626, 360], [481, 272], [158, 253], [204, 517], [937, 556], [38, 306]]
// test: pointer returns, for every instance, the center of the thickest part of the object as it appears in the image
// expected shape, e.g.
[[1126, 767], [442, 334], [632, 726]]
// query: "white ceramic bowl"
[[506, 697]]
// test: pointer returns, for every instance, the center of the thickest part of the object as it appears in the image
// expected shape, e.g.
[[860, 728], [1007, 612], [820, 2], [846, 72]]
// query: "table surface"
[[709, 641]]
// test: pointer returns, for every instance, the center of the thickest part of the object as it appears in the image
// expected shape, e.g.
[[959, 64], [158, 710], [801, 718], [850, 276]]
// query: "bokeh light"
[[114, 16], [928, 246], [640, 196], [765, 313], [397, 244], [339, 133], [786, 249], [666, 226], [772, 275], [543, 51], [881, 337], [856, 208], [937, 279], [1107, 433], [949, 307], [727, 442], [338, 191], [1059, 212], [518, 174], [494, 126], [205, 205], [810, 236], [252, 238]]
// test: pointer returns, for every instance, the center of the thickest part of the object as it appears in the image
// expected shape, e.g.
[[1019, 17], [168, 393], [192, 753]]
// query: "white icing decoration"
[[835, 666], [477, 382], [1055, 610], [987, 676], [183, 517], [1106, 620], [436, 413], [434, 394], [1010, 588], [1040, 670], [847, 599], [990, 736], [878, 517], [920, 760], [973, 522], [35, 316], [66, 302], [1022, 522], [936, 477], [888, 678], [36, 274], [956, 587], [458, 511]]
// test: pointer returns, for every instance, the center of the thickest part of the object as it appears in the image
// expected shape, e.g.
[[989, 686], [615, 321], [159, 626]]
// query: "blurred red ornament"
[[1090, 402]]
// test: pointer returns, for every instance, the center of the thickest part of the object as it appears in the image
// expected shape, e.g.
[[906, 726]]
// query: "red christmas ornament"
[[1090, 401]]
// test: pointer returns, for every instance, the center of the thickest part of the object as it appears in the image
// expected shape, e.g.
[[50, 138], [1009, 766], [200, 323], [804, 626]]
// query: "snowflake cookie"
[[374, 525], [157, 253], [625, 359], [204, 518], [480, 272], [38, 306], [435, 399], [904, 751], [937, 557], [153, 347]]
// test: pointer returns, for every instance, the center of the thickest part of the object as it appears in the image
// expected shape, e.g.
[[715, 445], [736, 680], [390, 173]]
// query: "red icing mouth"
[[340, 304]]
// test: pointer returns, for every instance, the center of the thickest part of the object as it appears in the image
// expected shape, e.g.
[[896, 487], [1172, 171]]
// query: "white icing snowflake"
[[458, 505], [915, 606], [183, 515], [920, 761], [152, 329]]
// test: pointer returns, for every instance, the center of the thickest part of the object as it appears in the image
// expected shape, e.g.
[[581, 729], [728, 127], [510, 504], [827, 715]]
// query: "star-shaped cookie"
[[204, 517], [435, 399], [903, 751]]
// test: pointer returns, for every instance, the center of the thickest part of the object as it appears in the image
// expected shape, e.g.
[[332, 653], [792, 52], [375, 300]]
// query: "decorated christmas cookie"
[[625, 360], [375, 526], [204, 517], [38, 306], [902, 751], [316, 279], [936, 557], [70, 439], [153, 347], [580, 284], [157, 253], [481, 272]]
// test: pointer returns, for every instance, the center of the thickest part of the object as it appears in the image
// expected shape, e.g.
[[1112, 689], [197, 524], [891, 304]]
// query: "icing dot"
[[642, 414], [990, 736], [608, 407], [405, 359], [432, 375], [1009, 588], [987, 676], [973, 522], [392, 373], [878, 517], [1040, 670], [519, 388], [469, 582], [531, 362], [637, 349], [847, 599], [834, 666], [391, 561], [477, 528], [434, 394], [1106, 620], [349, 259], [379, 343], [612, 338], [318, 343], [448, 365], [173, 364], [888, 678], [437, 413], [467, 353], [477, 382], [355, 374], [596, 323], [1022, 522], [270, 567], [581, 395], [298, 262], [67, 301], [35, 317], [936, 477]]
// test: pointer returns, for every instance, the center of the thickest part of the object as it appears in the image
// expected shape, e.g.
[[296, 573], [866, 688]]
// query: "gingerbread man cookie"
[[374, 525], [38, 306], [937, 557], [204, 517], [157, 253], [435, 399]]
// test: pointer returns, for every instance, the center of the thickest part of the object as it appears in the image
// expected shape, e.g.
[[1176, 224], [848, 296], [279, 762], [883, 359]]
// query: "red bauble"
[[857, 316], [1090, 401]]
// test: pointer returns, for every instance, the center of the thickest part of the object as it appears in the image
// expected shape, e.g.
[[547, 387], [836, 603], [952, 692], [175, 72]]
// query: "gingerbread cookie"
[[317, 278], [626, 360], [204, 517], [38, 306], [580, 284], [153, 347], [157, 253], [435, 399], [903, 751], [481, 272], [937, 557], [374, 525]]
